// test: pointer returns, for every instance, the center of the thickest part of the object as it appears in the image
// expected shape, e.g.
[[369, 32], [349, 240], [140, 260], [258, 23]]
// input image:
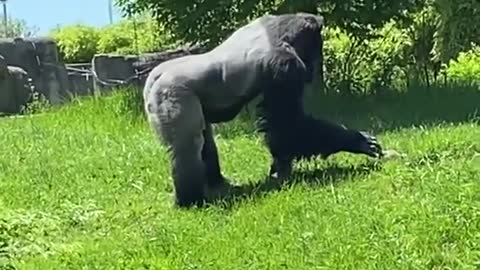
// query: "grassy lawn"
[[86, 186]]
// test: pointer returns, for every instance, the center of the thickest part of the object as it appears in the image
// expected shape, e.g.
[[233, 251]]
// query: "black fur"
[[290, 134]]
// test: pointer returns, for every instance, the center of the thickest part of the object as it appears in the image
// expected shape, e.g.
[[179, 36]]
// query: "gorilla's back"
[[231, 72]]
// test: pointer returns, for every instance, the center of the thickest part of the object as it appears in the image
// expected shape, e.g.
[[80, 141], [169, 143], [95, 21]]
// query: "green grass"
[[86, 186]]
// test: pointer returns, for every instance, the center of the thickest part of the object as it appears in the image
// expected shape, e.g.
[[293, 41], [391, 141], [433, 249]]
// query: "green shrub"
[[457, 28], [122, 37], [77, 43], [354, 65], [465, 69]]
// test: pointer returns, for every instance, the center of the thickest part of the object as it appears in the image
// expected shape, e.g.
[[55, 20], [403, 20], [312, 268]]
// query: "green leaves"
[[360, 65], [17, 28], [209, 21], [458, 26], [130, 37], [79, 43], [465, 69]]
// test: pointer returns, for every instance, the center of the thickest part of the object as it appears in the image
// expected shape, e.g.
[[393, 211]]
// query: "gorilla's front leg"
[[319, 136], [188, 172], [211, 160]]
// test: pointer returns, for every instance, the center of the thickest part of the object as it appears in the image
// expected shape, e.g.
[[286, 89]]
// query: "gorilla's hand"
[[367, 144]]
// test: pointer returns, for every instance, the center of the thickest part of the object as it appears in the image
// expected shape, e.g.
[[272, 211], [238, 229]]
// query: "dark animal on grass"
[[186, 95], [290, 134]]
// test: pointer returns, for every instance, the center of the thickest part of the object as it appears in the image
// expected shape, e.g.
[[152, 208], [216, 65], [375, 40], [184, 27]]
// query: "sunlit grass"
[[87, 187]]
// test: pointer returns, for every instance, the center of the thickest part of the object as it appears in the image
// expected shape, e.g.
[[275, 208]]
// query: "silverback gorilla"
[[185, 95]]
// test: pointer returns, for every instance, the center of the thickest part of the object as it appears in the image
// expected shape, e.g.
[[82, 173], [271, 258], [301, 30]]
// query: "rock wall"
[[111, 70], [35, 63], [38, 57], [14, 87], [81, 79]]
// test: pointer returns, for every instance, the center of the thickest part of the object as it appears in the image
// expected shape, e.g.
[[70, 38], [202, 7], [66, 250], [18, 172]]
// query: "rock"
[[391, 154], [39, 58], [15, 89], [112, 69]]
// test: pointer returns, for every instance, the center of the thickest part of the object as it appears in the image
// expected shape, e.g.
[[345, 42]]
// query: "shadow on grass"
[[332, 175]]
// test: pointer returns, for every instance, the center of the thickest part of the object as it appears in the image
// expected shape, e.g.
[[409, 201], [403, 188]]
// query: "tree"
[[17, 28], [458, 28], [209, 21]]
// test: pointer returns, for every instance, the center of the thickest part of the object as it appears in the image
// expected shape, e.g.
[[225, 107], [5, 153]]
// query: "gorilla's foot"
[[216, 180], [183, 201], [190, 198], [280, 169], [220, 190], [189, 194]]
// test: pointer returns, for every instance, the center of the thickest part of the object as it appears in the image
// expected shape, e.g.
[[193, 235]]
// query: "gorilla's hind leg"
[[177, 118], [211, 160]]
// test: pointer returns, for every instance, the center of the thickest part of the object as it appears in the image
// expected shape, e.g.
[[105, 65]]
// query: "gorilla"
[[290, 134], [184, 96], [273, 55]]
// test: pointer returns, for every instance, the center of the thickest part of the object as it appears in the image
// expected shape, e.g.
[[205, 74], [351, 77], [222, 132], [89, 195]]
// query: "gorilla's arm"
[[327, 138], [292, 134]]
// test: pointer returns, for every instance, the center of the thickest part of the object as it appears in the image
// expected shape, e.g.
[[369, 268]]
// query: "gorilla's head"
[[307, 41], [301, 30]]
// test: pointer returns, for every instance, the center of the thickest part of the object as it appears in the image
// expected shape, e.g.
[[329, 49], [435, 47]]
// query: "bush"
[[465, 68], [77, 43], [355, 65], [122, 38]]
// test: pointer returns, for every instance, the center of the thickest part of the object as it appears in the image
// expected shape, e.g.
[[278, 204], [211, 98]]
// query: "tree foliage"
[[209, 21], [17, 28], [130, 36], [465, 68], [360, 65], [370, 44], [458, 27], [79, 43]]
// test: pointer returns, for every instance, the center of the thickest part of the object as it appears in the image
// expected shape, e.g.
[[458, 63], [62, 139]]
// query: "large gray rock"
[[110, 70], [15, 89], [39, 58]]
